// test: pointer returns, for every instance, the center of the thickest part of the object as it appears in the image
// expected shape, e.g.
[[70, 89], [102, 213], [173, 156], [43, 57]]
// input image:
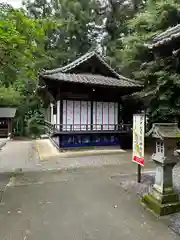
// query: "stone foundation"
[[168, 205]]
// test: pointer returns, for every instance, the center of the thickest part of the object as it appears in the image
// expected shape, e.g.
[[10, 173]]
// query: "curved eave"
[[164, 41], [92, 81]]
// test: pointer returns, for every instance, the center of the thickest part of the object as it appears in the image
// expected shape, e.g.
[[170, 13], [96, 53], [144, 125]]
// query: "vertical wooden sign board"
[[138, 141]]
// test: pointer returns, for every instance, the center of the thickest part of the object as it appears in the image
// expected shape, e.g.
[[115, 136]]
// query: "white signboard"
[[138, 138]]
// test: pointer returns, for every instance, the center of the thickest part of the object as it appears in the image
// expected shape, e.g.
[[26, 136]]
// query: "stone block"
[[160, 208]]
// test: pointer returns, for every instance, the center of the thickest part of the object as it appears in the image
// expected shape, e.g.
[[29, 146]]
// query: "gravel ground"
[[4, 179], [129, 183]]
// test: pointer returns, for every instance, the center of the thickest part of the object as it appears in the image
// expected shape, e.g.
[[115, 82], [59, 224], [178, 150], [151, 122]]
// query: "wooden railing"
[[55, 128]]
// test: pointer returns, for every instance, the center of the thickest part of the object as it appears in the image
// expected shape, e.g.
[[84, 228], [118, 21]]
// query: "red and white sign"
[[138, 138]]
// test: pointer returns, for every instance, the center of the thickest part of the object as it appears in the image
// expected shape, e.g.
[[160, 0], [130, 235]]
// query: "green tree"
[[22, 55], [116, 15], [79, 31], [158, 74]]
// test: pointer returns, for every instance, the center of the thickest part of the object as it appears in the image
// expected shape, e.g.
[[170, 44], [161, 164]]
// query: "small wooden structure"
[[83, 104], [6, 119], [163, 199]]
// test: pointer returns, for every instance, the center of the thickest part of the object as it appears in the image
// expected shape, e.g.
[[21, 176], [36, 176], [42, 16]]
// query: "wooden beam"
[[119, 113], [91, 115], [61, 114]]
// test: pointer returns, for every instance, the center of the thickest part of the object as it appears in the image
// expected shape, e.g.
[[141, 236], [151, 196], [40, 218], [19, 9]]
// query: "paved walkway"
[[24, 156], [18, 155], [83, 204]]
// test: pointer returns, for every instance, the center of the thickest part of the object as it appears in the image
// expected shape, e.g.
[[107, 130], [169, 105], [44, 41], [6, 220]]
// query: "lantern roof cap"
[[164, 131]]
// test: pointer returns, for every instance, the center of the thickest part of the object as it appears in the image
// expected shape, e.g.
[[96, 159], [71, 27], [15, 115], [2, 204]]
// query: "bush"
[[35, 127]]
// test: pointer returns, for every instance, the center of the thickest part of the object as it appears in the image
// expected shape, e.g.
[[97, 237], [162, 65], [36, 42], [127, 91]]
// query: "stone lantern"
[[163, 199]]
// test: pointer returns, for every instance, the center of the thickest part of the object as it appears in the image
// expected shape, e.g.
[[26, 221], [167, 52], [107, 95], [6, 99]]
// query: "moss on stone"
[[165, 198], [170, 198], [151, 203], [158, 207]]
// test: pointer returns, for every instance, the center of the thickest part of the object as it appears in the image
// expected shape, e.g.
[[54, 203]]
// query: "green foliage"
[[158, 74], [77, 32], [22, 54], [48, 34], [42, 35], [9, 97], [35, 126], [117, 13]]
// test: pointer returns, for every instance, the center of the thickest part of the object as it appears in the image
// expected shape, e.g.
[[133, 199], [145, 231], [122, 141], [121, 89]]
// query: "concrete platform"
[[46, 150]]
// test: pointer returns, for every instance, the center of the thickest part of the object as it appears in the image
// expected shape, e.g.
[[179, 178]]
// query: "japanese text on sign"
[[138, 138]]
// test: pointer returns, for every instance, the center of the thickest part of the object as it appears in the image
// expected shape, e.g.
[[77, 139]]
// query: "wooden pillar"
[[61, 122], [49, 109], [91, 115], [56, 115], [119, 113], [49, 113], [119, 120], [61, 115], [91, 136], [58, 95], [52, 115]]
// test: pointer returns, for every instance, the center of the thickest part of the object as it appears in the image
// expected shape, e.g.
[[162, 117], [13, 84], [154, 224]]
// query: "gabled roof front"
[[165, 37], [79, 61], [71, 73]]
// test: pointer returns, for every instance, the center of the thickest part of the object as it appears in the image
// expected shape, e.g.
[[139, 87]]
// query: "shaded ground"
[[4, 179], [23, 155], [86, 198], [77, 204], [129, 184]]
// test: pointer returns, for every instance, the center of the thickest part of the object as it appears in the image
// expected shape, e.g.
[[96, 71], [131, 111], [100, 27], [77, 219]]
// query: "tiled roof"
[[73, 64], [7, 112], [165, 37], [92, 79], [164, 130], [62, 74], [79, 61]]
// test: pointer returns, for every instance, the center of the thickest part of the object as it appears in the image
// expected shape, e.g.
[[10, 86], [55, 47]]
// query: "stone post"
[[163, 199]]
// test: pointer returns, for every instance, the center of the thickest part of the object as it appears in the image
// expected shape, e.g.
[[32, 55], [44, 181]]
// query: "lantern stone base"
[[168, 204]]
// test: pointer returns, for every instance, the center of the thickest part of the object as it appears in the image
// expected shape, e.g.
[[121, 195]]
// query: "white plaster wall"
[[95, 115], [99, 116], [52, 116], [116, 114], [58, 115], [76, 112], [105, 113], [69, 117], [85, 115], [111, 115], [64, 114], [77, 115], [55, 119]]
